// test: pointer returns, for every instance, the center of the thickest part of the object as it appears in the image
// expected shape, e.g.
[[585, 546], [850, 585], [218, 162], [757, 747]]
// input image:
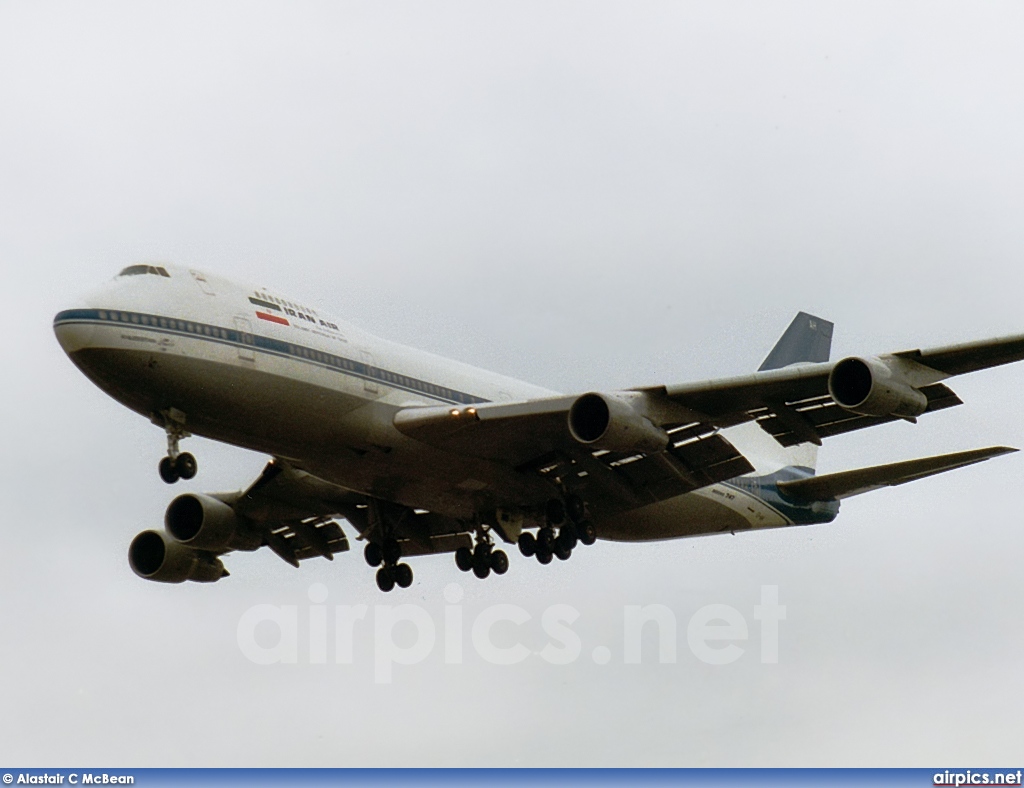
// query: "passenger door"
[[245, 338], [369, 382]]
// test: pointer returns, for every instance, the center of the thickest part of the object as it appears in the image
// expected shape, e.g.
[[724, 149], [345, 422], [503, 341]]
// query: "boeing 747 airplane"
[[421, 454]]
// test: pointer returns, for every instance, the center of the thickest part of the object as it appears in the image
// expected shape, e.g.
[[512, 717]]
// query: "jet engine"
[[153, 556], [206, 523], [870, 387], [609, 422]]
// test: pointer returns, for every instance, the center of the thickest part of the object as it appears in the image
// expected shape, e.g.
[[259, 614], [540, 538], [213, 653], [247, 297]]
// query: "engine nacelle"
[[205, 523], [870, 387], [607, 422], [153, 556]]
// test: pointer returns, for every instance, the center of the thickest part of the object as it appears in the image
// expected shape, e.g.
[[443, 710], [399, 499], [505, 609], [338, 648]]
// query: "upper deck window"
[[135, 270]]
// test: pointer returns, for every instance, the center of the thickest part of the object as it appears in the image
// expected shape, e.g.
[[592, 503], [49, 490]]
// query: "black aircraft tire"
[[481, 570], [464, 559], [385, 579], [167, 470], [186, 466], [403, 575], [373, 554]]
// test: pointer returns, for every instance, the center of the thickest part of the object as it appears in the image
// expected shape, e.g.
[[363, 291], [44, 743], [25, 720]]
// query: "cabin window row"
[[302, 352]]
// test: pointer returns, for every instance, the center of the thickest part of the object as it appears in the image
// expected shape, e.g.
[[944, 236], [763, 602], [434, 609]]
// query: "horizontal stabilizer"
[[834, 486]]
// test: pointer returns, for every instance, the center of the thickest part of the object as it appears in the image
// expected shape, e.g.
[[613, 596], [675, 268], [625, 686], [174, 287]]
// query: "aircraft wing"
[[295, 512], [533, 437], [793, 404]]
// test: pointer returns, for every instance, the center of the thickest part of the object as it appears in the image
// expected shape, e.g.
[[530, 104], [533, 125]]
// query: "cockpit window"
[[135, 270]]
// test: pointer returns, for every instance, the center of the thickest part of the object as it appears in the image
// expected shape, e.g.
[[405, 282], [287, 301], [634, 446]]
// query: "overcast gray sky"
[[581, 194]]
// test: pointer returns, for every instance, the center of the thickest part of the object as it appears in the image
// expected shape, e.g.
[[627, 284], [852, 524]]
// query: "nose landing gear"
[[177, 464]]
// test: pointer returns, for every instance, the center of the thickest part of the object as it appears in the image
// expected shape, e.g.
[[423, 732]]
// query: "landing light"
[[454, 412]]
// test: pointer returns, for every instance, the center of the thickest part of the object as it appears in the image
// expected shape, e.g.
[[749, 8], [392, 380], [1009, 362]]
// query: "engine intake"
[[153, 556], [869, 387], [607, 422], [206, 523]]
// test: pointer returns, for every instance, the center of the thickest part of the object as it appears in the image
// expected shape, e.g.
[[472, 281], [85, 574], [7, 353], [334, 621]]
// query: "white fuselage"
[[252, 368]]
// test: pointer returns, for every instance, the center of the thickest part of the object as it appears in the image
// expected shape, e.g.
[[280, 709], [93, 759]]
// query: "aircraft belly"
[[313, 420], [225, 399], [719, 508]]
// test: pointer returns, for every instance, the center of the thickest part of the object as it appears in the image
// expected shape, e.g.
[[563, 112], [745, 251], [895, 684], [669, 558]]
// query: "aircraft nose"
[[75, 328]]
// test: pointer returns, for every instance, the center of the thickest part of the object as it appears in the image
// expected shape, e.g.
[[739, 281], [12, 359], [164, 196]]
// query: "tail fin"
[[808, 339]]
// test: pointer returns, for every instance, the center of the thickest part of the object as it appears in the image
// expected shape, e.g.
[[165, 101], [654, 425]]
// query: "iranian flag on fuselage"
[[268, 314]]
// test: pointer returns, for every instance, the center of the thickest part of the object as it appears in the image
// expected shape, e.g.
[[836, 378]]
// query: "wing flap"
[[820, 417], [684, 468], [835, 486]]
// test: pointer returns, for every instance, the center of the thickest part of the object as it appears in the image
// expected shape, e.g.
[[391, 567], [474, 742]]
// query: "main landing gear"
[[387, 555], [483, 558], [572, 529], [177, 464]]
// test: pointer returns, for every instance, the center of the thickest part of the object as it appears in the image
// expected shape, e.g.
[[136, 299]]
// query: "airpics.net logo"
[[969, 777], [409, 634]]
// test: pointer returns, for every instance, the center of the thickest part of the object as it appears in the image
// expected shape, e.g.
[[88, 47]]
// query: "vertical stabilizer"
[[807, 340]]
